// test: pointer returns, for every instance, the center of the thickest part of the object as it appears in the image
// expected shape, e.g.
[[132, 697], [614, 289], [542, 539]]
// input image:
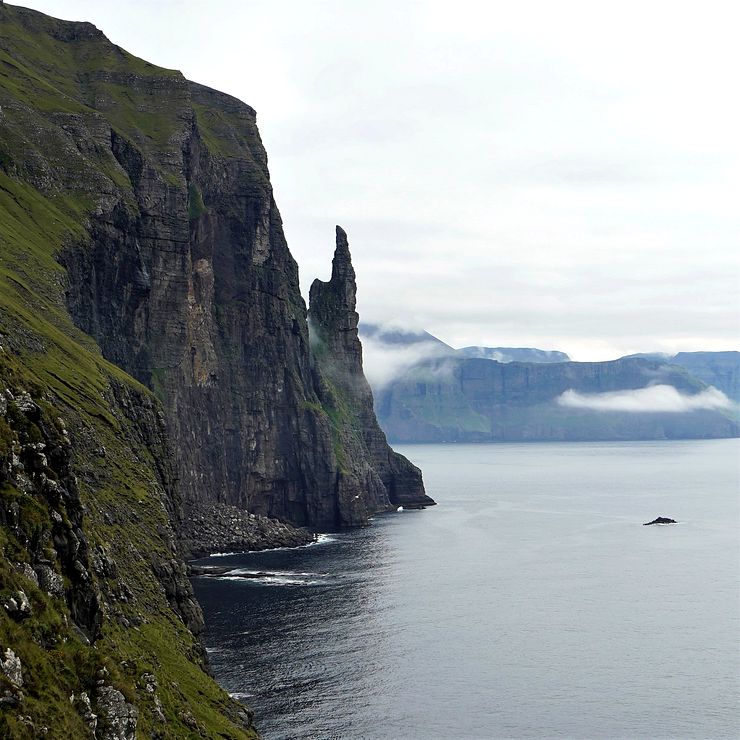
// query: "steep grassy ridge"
[[86, 490]]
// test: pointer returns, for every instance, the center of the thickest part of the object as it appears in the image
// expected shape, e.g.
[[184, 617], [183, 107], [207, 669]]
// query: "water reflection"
[[530, 603], [274, 639]]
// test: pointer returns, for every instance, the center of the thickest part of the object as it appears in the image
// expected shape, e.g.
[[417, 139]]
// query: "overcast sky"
[[562, 175]]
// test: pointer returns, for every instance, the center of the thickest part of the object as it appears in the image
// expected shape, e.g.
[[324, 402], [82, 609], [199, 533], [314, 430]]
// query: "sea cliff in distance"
[[438, 394]]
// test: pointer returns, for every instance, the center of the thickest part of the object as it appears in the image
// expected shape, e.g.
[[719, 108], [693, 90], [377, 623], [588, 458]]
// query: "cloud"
[[506, 182], [384, 363], [655, 398]]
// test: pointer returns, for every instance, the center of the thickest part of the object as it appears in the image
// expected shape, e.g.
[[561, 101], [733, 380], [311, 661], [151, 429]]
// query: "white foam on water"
[[240, 695], [271, 573], [285, 581], [321, 539], [273, 579]]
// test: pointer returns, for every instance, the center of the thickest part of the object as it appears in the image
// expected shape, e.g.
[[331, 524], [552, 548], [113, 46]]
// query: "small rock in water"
[[660, 520]]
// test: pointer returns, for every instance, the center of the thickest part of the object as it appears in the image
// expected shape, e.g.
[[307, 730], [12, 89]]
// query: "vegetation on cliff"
[[177, 266], [155, 366], [85, 538], [97, 617]]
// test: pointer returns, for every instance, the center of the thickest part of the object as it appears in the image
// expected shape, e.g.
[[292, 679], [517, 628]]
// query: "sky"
[[562, 175]]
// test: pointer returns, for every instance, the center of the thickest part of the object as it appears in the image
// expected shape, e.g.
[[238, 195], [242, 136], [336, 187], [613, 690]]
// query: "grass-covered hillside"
[[97, 618]]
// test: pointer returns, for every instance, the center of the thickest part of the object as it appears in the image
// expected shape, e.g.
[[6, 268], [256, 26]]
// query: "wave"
[[270, 573], [285, 581], [270, 580], [322, 538], [265, 577]]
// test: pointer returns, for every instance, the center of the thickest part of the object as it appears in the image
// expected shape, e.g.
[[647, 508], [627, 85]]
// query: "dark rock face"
[[191, 289], [188, 285], [660, 520], [42, 469], [368, 464]]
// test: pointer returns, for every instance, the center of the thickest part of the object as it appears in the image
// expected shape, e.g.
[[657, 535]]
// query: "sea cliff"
[[159, 396], [457, 399]]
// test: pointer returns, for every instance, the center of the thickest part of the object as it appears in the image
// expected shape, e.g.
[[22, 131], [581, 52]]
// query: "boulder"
[[119, 718], [660, 520], [10, 665]]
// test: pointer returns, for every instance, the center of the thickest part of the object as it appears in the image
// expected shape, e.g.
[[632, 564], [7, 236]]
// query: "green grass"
[[50, 76], [196, 207], [65, 372], [449, 412], [50, 675]]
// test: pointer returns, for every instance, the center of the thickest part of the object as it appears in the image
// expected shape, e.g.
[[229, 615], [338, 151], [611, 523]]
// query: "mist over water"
[[531, 602]]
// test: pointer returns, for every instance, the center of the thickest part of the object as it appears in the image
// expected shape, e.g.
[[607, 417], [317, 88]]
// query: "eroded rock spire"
[[332, 311], [343, 389]]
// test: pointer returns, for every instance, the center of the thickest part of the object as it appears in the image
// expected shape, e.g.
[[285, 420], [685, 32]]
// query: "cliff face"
[[367, 462], [141, 250], [90, 579], [452, 399], [720, 369], [190, 287], [188, 284], [97, 616]]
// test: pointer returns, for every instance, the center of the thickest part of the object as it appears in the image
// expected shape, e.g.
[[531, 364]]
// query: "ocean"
[[530, 603]]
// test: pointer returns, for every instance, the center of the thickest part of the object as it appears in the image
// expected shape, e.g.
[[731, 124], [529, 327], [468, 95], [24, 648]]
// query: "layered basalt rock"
[[188, 284], [370, 464], [183, 276], [142, 250]]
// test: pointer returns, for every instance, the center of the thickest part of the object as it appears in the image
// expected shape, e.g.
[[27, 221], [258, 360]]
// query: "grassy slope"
[[39, 76]]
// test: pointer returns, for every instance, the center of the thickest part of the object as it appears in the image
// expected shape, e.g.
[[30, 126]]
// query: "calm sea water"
[[530, 603]]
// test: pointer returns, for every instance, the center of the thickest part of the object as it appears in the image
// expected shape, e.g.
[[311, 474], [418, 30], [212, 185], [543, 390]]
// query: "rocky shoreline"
[[226, 528]]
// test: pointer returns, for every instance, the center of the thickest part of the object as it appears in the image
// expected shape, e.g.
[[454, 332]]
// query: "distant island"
[[436, 393]]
